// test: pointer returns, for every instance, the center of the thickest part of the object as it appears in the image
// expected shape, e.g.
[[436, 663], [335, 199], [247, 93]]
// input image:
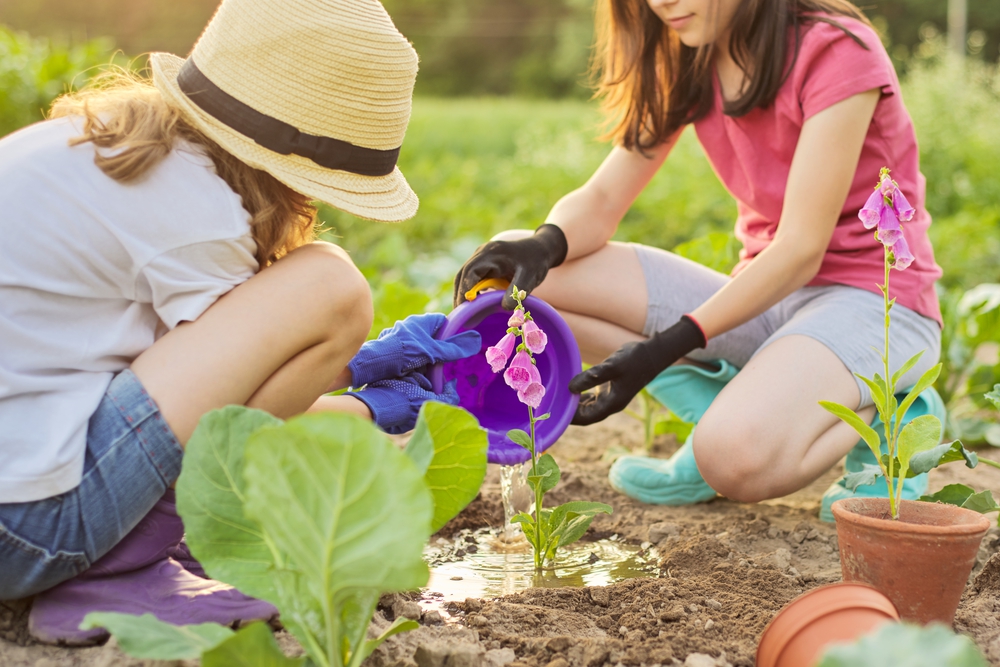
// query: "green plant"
[[658, 420], [906, 644], [319, 515], [546, 529], [34, 71]]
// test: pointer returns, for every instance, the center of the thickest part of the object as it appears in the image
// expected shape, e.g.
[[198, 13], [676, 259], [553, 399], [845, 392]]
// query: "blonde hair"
[[125, 113]]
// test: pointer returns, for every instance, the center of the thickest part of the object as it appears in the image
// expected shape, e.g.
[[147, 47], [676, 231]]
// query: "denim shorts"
[[132, 459], [847, 320]]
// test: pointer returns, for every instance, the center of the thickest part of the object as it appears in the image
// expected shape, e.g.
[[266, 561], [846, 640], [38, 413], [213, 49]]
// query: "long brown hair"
[[651, 85], [125, 113]]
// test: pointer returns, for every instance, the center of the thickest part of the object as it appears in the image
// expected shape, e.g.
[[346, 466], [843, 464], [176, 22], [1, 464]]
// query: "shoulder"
[[843, 37]]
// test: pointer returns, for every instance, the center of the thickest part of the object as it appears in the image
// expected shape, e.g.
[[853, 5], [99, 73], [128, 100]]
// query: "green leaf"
[[570, 521], [251, 646], [868, 474], [210, 498], [549, 471], [910, 363], [543, 417], [150, 638], [678, 427], [866, 432], [946, 453], [905, 644], [399, 625], [920, 435], [457, 466], [994, 396], [982, 502], [925, 381], [520, 438], [352, 513], [952, 494], [878, 393]]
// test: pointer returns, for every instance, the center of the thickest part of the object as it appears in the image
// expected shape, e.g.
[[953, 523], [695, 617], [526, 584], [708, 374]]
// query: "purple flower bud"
[[886, 186], [889, 230], [498, 354], [521, 372], [534, 338], [901, 255], [532, 394], [872, 210], [516, 318], [902, 207]]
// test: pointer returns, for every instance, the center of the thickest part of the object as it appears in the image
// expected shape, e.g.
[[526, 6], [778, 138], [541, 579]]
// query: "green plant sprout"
[[320, 516], [914, 448], [545, 529], [657, 420]]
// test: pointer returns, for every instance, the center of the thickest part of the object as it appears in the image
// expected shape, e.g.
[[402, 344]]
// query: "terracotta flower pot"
[[808, 624], [920, 561]]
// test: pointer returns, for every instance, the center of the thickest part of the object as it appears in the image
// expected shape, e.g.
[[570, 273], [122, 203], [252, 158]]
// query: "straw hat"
[[315, 92]]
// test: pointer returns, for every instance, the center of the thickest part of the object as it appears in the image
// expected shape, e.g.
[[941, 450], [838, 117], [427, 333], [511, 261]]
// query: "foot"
[[182, 554], [164, 589], [673, 481]]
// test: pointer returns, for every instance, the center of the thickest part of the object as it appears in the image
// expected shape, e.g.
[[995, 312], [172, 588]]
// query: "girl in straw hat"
[[159, 262], [797, 107]]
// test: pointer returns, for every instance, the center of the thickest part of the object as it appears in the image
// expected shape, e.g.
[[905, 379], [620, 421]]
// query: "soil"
[[726, 568]]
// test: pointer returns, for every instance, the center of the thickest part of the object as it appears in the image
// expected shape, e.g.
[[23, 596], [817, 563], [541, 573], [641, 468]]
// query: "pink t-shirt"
[[752, 156]]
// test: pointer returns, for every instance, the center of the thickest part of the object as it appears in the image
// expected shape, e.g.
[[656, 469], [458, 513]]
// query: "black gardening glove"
[[524, 262], [630, 369]]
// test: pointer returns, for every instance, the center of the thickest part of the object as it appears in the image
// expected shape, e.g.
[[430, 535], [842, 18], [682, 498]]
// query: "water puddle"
[[481, 565]]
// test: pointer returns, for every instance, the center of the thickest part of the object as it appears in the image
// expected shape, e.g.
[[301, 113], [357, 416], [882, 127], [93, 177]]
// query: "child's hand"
[[395, 403], [409, 347]]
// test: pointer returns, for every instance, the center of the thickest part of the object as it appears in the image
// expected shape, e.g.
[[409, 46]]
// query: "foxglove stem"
[[887, 419]]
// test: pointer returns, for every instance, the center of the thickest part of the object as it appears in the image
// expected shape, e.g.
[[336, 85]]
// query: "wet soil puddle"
[[480, 565]]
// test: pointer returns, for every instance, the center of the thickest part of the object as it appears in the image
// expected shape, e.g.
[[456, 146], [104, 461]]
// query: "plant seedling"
[[545, 529], [319, 515]]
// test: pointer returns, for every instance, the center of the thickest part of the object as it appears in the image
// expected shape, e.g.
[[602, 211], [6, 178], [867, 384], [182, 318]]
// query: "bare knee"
[[732, 459], [338, 291]]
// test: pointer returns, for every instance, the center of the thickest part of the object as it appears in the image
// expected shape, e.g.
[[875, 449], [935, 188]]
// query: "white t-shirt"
[[90, 270]]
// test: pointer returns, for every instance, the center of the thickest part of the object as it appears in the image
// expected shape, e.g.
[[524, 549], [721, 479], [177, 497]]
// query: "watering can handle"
[[488, 283]]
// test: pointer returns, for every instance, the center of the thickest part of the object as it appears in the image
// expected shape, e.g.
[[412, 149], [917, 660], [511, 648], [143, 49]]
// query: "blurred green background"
[[502, 127]]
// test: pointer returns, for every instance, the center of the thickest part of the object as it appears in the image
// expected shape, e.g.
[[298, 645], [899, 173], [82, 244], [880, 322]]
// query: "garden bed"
[[725, 568]]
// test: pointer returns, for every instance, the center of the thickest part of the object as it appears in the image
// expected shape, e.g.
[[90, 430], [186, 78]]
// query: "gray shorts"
[[847, 320]]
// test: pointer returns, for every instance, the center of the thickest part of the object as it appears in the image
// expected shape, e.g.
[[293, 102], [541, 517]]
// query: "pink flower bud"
[[516, 318], [498, 354], [886, 186], [872, 209], [532, 394], [889, 230], [534, 338], [902, 207], [901, 255], [521, 372]]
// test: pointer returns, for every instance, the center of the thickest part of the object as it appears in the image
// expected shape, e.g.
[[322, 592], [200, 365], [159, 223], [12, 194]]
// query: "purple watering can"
[[485, 394]]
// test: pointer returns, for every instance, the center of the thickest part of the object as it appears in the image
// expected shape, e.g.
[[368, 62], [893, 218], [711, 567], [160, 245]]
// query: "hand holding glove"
[[395, 403], [524, 262], [407, 347], [630, 369]]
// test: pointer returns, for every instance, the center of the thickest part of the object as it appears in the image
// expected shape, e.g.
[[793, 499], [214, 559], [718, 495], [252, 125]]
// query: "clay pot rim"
[[780, 629], [841, 512]]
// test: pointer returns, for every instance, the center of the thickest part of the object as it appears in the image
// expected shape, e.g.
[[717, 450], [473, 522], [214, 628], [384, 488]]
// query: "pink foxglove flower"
[[516, 318], [901, 255], [532, 394], [534, 338], [872, 210], [498, 354], [902, 207], [521, 372], [889, 230]]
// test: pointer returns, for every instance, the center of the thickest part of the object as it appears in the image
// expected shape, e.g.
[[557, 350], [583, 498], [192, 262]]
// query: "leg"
[[766, 435], [276, 342]]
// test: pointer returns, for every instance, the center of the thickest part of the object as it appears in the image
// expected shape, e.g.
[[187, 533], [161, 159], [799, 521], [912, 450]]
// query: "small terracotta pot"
[[920, 561], [808, 624]]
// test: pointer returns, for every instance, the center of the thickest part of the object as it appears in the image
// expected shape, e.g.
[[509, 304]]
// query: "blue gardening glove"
[[407, 347], [395, 403]]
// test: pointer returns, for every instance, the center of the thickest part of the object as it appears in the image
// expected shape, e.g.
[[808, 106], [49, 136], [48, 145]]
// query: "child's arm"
[[823, 168]]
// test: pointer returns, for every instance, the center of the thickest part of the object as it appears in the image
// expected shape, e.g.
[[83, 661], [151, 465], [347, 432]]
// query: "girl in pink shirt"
[[797, 107]]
